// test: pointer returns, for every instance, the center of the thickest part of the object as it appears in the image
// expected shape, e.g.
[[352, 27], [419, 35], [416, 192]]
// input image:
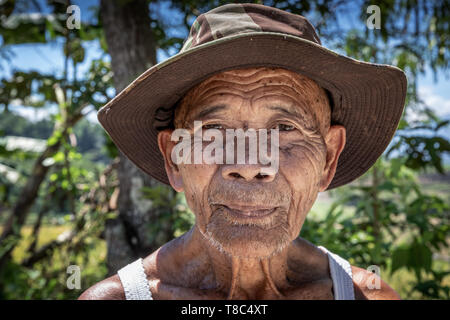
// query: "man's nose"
[[248, 172]]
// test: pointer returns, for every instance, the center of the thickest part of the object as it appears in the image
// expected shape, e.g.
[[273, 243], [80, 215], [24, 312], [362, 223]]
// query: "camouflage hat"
[[366, 98]]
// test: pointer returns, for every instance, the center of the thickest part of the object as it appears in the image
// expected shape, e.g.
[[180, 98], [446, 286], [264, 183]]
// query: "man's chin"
[[248, 241]]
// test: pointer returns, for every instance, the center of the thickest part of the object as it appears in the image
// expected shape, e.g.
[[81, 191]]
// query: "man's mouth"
[[249, 211]]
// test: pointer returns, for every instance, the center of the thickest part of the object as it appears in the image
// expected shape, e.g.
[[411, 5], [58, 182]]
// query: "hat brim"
[[368, 99]]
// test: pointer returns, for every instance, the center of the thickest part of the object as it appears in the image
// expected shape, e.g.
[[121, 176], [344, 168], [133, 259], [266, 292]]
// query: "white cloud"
[[436, 102], [33, 114], [37, 114], [92, 115]]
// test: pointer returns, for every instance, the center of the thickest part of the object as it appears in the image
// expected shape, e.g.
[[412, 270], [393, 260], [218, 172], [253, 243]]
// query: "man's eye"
[[284, 127], [213, 126]]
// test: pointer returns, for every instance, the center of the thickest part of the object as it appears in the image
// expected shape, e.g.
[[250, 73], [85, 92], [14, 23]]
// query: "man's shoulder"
[[112, 289], [109, 289], [369, 286]]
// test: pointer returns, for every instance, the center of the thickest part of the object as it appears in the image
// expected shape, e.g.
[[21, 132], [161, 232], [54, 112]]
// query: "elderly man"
[[326, 118]]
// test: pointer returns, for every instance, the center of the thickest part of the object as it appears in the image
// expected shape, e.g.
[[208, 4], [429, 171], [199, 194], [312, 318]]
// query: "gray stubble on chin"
[[240, 237], [243, 239]]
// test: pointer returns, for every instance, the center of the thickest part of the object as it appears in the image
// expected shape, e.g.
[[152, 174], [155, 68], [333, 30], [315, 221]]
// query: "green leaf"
[[420, 256], [400, 258]]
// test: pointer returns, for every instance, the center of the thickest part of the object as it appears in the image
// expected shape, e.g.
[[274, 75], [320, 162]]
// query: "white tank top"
[[135, 284]]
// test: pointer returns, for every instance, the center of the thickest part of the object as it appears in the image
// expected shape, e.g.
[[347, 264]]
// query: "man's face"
[[238, 208]]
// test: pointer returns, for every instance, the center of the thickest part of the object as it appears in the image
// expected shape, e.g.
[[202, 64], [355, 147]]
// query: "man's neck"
[[240, 277], [192, 262]]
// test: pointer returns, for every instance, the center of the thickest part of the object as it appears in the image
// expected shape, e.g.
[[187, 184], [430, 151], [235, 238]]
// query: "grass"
[[47, 233]]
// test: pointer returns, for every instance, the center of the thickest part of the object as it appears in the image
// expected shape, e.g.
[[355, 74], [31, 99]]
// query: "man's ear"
[[335, 142], [165, 146]]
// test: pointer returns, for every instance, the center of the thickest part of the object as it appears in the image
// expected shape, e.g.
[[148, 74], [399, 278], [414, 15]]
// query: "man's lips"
[[249, 211]]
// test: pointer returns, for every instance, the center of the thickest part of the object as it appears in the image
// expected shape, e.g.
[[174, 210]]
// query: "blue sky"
[[48, 58]]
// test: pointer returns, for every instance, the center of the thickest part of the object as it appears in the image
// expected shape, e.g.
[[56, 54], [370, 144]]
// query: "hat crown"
[[232, 19]]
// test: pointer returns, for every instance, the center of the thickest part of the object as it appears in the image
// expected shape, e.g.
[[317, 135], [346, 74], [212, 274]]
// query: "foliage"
[[71, 179], [174, 210], [394, 225], [40, 272], [46, 279]]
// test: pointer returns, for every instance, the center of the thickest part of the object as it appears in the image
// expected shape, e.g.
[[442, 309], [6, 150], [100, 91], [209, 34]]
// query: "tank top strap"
[[134, 281], [341, 275]]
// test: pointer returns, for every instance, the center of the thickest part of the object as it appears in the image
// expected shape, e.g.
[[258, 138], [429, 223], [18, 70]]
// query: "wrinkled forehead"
[[285, 86]]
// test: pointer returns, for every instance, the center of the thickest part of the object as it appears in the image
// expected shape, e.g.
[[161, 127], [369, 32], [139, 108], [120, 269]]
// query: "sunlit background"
[[67, 197]]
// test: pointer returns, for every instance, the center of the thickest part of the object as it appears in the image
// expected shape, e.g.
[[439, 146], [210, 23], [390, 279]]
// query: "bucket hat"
[[366, 98]]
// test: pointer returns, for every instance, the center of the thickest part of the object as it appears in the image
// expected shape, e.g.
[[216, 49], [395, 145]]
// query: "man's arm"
[[109, 289]]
